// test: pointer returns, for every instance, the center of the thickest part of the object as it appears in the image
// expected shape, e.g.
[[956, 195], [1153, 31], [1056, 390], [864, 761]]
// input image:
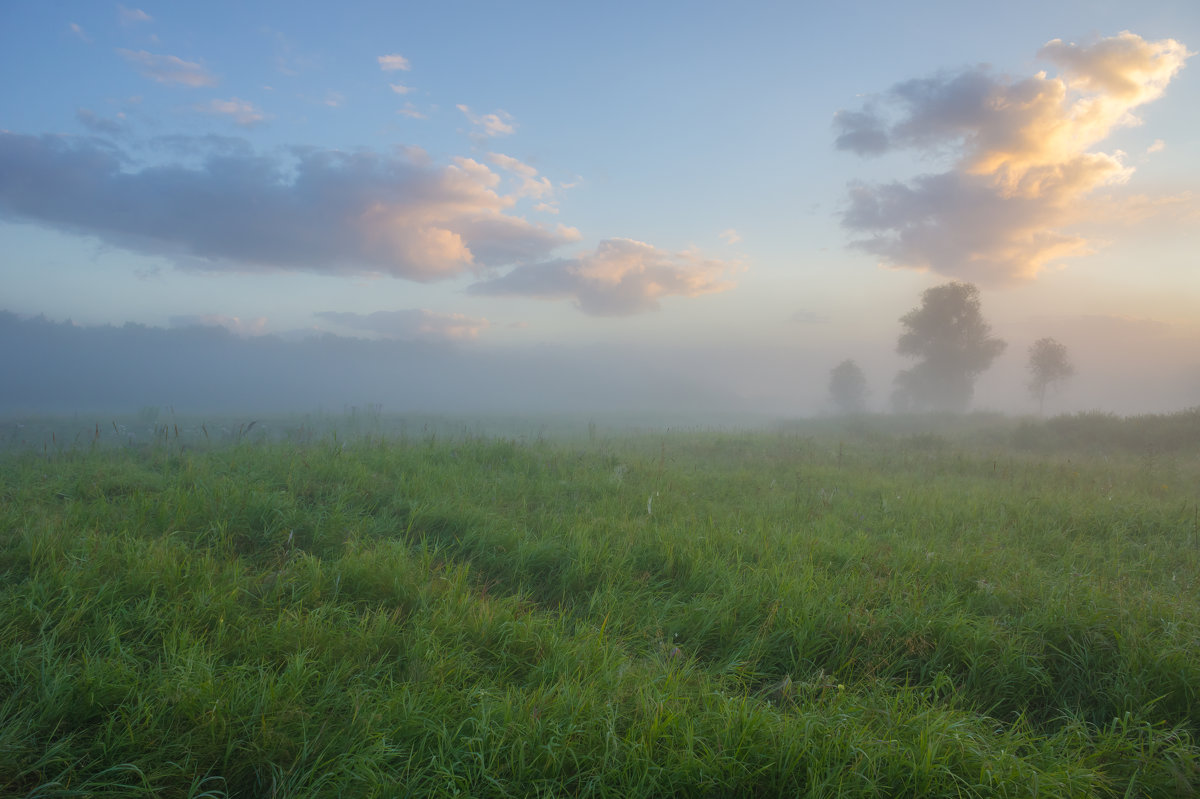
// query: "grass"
[[827, 609]]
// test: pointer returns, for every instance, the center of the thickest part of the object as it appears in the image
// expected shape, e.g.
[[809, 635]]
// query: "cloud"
[[1125, 67], [130, 16], [393, 63], [409, 110], [414, 323], [531, 184], [730, 236], [1157, 147], [489, 125], [862, 132], [78, 30], [222, 206], [960, 226], [400, 88], [234, 324], [1022, 164], [241, 112], [169, 69], [622, 277], [99, 124]]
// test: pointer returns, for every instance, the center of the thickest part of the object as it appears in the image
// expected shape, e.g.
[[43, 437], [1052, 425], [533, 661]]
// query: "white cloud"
[[79, 31], [1024, 166], [1157, 147], [237, 110], [409, 110], [400, 88], [130, 16], [730, 236], [489, 125], [413, 323], [622, 277], [169, 69], [392, 63]]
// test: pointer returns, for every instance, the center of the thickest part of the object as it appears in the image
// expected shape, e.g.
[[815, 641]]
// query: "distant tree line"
[[61, 367]]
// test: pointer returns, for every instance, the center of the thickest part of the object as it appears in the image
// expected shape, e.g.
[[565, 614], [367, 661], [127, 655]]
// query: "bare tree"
[[848, 387], [955, 345], [1049, 364]]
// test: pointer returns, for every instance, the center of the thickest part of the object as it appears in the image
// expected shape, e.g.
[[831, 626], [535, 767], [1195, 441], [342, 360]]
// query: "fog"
[[57, 367]]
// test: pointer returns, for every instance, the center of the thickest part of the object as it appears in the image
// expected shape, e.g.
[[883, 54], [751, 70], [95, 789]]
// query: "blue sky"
[[739, 189]]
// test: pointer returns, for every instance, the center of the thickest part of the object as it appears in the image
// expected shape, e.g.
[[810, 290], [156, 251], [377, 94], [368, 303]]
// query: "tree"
[[1048, 364], [848, 387], [955, 345]]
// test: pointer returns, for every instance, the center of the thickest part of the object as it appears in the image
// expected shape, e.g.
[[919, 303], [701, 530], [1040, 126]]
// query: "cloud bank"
[[621, 277], [1022, 158], [410, 324], [234, 324], [316, 210]]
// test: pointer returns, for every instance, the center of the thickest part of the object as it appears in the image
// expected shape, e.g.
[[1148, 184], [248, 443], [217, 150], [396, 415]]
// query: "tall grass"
[[827, 611]]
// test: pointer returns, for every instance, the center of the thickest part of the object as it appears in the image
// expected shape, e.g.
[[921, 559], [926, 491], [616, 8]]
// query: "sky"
[[745, 194]]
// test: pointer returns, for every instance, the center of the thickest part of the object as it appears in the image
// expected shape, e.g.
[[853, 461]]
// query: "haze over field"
[[549, 207]]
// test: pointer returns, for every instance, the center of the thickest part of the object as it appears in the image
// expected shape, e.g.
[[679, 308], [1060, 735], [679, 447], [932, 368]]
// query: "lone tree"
[[848, 387], [1048, 364], [955, 346]]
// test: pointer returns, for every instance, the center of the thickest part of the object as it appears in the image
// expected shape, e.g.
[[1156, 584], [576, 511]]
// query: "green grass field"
[[824, 609]]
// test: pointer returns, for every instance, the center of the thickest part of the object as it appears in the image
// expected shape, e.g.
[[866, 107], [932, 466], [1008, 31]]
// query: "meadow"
[[376, 606]]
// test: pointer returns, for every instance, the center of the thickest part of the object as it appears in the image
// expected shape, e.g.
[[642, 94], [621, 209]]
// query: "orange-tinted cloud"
[[230, 208], [1023, 161], [621, 277]]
